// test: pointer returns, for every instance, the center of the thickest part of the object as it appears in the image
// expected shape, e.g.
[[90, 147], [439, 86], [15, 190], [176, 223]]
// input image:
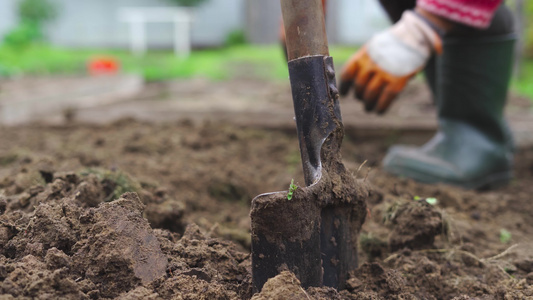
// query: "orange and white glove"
[[381, 68]]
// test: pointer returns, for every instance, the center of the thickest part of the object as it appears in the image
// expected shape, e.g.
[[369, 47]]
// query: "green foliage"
[[24, 34], [430, 201], [527, 26], [189, 3], [119, 181], [236, 38], [528, 30], [36, 11], [292, 187], [33, 14], [522, 83], [505, 236]]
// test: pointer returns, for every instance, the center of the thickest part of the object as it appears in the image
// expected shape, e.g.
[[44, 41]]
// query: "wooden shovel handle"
[[305, 28]]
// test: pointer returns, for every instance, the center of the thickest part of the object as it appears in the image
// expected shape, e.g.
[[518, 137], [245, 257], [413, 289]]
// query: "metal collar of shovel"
[[315, 233]]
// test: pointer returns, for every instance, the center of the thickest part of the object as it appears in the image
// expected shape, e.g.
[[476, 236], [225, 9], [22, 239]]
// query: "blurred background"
[[65, 32], [72, 43]]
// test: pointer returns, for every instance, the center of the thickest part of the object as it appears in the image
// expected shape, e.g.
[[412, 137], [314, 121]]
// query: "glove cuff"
[[433, 26], [417, 30]]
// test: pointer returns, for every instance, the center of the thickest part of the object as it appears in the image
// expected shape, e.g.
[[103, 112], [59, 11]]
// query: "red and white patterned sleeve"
[[475, 13]]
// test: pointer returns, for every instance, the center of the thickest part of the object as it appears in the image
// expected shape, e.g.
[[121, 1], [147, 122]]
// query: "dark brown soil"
[[69, 228]]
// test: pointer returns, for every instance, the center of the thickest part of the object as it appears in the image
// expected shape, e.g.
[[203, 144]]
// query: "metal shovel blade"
[[314, 234]]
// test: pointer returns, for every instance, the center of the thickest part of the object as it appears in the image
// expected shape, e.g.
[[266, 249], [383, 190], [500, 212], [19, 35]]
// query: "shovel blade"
[[285, 236], [338, 245]]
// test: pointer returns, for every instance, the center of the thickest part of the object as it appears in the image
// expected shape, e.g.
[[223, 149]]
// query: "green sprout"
[[292, 188], [430, 201], [505, 236]]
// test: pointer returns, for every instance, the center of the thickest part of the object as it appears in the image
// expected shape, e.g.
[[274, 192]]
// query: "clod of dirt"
[[118, 243], [140, 293], [202, 267], [167, 214], [57, 259], [287, 286], [372, 281], [525, 265], [414, 225], [192, 287], [52, 225], [529, 278], [67, 242], [210, 258], [30, 278], [90, 191], [98, 244]]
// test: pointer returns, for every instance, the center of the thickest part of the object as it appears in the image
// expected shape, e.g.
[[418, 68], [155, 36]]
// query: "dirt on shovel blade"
[[133, 210]]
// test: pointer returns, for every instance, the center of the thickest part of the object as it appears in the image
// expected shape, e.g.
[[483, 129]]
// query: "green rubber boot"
[[473, 147]]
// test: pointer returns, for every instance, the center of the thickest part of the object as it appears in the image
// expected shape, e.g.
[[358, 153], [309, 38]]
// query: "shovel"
[[311, 231]]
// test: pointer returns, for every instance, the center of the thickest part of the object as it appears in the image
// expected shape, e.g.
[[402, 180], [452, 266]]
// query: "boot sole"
[[488, 182], [493, 181]]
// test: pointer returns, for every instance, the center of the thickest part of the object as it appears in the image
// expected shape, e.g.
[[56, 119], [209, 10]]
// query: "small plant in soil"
[[505, 236], [116, 182], [292, 188], [431, 201]]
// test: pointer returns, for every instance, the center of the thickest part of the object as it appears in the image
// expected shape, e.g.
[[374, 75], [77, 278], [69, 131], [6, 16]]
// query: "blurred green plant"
[[189, 3], [117, 181], [523, 10], [505, 236], [430, 201], [22, 35], [33, 15], [236, 38], [528, 30], [36, 11]]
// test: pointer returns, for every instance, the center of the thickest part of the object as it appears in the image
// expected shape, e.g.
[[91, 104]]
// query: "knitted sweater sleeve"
[[475, 13]]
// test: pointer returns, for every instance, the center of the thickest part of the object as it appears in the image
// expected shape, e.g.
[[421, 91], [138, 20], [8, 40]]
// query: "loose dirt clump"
[[65, 247], [413, 225], [287, 286], [372, 281], [117, 242]]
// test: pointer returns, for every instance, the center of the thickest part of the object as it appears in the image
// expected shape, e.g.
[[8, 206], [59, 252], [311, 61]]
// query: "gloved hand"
[[381, 68]]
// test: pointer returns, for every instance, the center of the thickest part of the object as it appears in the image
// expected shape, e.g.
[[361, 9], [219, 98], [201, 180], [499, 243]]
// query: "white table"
[[138, 17]]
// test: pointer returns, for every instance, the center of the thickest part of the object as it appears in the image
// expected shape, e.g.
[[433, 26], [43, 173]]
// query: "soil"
[[135, 210]]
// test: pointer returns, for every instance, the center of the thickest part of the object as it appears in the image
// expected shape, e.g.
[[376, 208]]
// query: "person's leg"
[[473, 147]]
